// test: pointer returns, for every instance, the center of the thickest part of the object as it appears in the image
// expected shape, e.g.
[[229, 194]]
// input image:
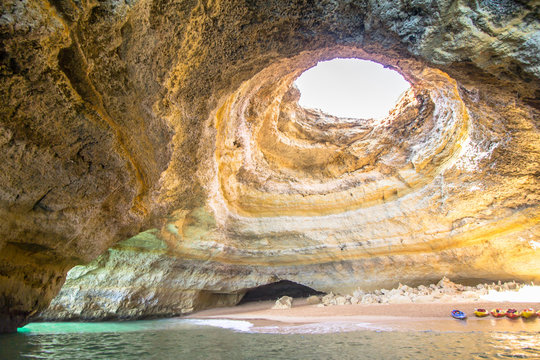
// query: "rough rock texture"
[[178, 118], [445, 291], [138, 279], [284, 302]]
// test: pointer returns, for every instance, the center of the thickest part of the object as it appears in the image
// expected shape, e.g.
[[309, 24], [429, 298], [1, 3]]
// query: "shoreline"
[[305, 318]]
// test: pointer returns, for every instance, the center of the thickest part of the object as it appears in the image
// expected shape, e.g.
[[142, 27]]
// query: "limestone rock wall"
[[179, 118], [138, 279]]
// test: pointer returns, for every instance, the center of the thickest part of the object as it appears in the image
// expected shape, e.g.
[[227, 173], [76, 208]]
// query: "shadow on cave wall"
[[278, 289]]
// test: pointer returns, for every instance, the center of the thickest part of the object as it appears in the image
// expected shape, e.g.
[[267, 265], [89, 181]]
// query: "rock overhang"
[[178, 116]]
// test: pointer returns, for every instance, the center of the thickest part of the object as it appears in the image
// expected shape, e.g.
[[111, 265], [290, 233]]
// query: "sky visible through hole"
[[351, 88]]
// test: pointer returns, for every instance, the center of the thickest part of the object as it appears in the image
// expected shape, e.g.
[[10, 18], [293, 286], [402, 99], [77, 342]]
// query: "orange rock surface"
[[177, 122]]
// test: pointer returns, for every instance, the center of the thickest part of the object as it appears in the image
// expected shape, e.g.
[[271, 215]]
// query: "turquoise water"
[[195, 339]]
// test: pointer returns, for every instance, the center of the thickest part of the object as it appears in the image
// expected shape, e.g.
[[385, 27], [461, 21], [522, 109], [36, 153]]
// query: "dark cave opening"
[[278, 289]]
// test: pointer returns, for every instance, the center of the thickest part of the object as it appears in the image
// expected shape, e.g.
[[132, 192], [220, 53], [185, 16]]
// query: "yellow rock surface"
[[179, 120]]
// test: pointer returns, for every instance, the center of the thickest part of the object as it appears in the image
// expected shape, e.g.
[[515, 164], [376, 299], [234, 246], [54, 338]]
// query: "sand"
[[422, 317]]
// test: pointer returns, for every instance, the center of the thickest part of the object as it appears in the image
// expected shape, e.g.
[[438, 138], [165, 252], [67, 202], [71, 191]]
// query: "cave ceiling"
[[179, 119]]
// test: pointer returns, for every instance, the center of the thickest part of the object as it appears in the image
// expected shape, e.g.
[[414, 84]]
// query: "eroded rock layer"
[[179, 121]]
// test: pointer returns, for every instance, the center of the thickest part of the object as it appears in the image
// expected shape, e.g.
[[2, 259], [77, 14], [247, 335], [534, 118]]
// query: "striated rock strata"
[[178, 121], [138, 279]]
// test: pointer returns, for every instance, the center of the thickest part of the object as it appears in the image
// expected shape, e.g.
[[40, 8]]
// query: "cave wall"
[[177, 117]]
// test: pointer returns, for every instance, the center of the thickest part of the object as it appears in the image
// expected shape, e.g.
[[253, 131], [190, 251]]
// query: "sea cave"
[[156, 159]]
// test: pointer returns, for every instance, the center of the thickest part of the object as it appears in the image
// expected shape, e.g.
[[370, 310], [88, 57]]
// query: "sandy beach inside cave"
[[303, 317]]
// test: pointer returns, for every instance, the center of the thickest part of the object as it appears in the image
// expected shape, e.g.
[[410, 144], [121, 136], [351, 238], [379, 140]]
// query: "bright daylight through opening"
[[351, 88]]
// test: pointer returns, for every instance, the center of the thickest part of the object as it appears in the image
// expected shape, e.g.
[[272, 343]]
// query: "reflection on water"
[[520, 345], [194, 339]]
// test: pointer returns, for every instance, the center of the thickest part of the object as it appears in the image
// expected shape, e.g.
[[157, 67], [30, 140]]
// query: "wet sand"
[[420, 317]]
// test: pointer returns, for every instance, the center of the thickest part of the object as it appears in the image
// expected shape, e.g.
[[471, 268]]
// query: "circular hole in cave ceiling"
[[264, 140], [351, 88]]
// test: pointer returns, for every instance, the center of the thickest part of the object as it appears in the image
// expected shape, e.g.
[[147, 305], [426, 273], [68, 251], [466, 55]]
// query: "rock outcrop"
[[137, 279], [445, 291], [179, 120], [284, 302]]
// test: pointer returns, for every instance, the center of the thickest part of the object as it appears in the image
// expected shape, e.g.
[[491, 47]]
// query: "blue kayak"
[[460, 315]]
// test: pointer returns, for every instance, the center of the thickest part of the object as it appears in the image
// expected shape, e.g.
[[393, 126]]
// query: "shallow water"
[[226, 339]]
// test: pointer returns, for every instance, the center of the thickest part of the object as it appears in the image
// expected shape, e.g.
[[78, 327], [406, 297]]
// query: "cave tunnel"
[[278, 289]]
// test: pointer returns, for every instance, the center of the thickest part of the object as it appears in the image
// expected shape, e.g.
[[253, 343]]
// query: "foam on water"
[[317, 328], [236, 325]]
